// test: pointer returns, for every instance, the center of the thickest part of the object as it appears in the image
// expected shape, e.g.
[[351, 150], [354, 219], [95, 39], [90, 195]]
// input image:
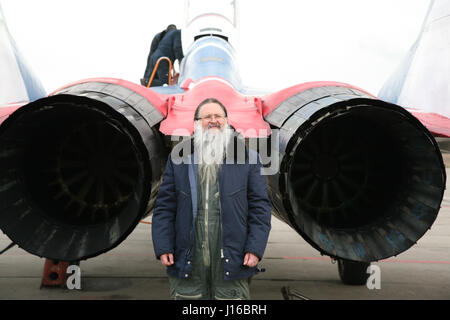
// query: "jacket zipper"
[[220, 217], [206, 256]]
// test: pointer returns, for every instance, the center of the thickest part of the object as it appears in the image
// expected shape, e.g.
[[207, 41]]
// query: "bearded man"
[[212, 215]]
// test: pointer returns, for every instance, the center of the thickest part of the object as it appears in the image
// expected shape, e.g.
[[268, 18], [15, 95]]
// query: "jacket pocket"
[[239, 206]]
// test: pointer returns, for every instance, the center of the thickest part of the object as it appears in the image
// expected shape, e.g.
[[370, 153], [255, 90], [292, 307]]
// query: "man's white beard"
[[210, 147]]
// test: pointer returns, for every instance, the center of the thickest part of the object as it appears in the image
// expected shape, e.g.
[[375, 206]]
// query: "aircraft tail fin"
[[421, 82], [18, 83]]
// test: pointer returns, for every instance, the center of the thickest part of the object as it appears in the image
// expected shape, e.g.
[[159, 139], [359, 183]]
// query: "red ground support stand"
[[55, 273]]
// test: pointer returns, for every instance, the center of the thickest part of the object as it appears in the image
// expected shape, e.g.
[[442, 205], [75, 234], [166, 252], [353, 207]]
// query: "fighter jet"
[[359, 178]]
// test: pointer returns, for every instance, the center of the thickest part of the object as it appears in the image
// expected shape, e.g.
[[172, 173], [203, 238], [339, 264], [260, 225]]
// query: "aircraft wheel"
[[353, 272]]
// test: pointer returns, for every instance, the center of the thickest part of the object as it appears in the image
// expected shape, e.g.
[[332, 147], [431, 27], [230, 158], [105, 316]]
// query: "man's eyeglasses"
[[209, 117]]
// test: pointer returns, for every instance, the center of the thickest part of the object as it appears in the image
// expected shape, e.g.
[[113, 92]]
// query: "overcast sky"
[[282, 42]]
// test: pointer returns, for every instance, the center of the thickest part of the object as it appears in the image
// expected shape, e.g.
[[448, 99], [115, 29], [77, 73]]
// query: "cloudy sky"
[[282, 43]]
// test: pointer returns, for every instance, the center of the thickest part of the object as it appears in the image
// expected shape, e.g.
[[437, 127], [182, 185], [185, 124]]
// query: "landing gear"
[[55, 273], [353, 272]]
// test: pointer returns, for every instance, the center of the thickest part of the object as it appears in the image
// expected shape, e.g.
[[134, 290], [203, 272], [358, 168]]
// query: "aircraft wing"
[[7, 109]]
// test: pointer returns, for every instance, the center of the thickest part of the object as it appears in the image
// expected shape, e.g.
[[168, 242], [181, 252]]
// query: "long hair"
[[209, 100]]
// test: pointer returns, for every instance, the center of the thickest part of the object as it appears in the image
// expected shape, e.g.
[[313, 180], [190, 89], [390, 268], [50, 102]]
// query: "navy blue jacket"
[[164, 44], [169, 46], [245, 210]]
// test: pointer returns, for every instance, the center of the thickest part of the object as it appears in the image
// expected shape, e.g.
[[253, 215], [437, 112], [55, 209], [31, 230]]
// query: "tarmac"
[[131, 271]]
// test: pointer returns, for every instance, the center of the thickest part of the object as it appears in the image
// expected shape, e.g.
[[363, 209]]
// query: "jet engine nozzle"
[[77, 171], [361, 179]]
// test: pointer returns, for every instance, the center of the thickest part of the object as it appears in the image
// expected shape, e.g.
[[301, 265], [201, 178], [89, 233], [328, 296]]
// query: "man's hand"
[[250, 260], [167, 259]]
